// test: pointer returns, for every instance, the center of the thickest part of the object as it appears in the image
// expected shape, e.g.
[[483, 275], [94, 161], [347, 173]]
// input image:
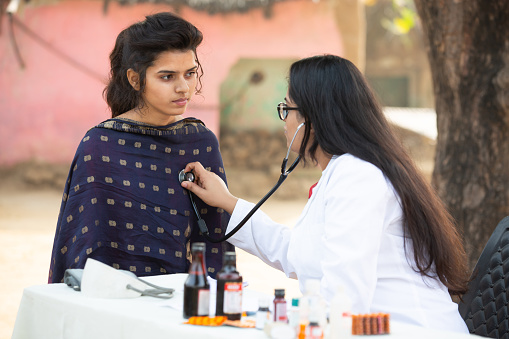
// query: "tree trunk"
[[468, 50]]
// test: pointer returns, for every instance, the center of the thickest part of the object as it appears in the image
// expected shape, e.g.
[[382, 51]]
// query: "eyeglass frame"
[[282, 110]]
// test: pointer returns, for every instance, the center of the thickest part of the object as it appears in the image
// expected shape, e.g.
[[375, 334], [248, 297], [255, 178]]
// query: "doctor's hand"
[[210, 188]]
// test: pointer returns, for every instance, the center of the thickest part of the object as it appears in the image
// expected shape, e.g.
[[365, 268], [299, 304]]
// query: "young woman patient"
[[123, 204]]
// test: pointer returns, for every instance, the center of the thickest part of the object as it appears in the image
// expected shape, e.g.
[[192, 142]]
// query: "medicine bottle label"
[[262, 317], [232, 298], [280, 310], [314, 332], [203, 302]]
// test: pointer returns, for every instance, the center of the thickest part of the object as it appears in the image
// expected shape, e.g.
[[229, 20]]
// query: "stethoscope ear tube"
[[285, 171]]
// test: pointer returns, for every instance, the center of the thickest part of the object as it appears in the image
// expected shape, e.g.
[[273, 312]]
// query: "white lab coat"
[[350, 233]]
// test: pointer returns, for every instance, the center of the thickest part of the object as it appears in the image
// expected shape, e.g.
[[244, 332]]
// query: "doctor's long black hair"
[[334, 98]]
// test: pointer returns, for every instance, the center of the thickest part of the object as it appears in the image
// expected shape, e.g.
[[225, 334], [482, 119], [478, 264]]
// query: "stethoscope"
[[189, 176]]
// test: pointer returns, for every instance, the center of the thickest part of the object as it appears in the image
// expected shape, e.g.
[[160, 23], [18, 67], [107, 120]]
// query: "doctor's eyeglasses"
[[282, 110]]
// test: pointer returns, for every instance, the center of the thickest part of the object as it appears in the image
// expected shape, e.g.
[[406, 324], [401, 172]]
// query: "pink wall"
[[47, 107]]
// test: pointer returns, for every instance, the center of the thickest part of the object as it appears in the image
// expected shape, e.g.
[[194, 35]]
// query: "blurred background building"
[[54, 66]]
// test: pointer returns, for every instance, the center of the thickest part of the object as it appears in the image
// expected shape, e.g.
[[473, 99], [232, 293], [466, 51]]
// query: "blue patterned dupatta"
[[123, 204]]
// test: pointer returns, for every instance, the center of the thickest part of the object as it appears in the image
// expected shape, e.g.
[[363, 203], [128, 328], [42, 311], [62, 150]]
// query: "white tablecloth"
[[58, 312]]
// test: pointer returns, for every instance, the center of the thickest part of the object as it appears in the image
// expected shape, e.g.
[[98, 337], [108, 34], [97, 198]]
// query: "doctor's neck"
[[322, 158]]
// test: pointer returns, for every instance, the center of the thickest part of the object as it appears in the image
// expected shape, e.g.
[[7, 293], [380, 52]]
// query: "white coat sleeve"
[[262, 237], [355, 207]]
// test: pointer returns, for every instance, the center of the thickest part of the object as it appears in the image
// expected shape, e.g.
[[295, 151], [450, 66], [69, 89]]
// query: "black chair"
[[485, 306]]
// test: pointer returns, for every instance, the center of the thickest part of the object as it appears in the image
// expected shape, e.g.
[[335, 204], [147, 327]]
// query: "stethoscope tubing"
[[284, 174], [281, 179]]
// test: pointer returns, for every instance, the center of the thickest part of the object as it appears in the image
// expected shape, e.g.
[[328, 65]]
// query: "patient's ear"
[[133, 78]]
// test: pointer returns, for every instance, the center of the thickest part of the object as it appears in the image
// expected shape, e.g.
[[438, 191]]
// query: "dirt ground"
[[30, 196]]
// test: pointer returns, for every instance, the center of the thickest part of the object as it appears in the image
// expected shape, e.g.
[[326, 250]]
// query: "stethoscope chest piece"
[[186, 176]]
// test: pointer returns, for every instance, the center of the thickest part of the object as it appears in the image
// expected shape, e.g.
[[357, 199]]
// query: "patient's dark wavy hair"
[[336, 100], [137, 47]]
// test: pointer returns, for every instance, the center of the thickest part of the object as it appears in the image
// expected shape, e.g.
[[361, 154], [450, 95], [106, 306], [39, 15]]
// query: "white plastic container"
[[312, 301], [340, 317]]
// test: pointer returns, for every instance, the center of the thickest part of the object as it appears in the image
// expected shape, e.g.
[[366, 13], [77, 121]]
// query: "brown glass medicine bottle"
[[196, 287], [229, 289], [280, 314]]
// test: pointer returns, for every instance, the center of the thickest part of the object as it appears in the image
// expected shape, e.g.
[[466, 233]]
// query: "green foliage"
[[403, 18]]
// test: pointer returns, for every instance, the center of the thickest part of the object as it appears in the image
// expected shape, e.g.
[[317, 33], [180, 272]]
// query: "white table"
[[56, 311]]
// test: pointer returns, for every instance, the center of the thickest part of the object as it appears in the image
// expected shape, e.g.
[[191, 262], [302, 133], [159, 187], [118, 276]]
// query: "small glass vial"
[[196, 287], [263, 313], [280, 306], [314, 330]]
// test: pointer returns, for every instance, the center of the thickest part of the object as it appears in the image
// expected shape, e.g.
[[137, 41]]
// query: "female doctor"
[[372, 223]]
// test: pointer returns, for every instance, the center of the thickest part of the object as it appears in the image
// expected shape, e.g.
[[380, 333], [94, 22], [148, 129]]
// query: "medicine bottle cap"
[[198, 246], [229, 257], [263, 302], [279, 292]]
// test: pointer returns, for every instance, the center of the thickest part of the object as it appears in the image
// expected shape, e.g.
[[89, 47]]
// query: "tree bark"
[[468, 50]]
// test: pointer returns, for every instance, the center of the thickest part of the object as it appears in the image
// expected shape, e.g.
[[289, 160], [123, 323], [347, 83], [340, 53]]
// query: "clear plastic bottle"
[[280, 314], [196, 287], [340, 317], [229, 289], [312, 300]]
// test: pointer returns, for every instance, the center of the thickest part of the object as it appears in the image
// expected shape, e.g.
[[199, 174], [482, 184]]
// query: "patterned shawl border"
[[185, 126]]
